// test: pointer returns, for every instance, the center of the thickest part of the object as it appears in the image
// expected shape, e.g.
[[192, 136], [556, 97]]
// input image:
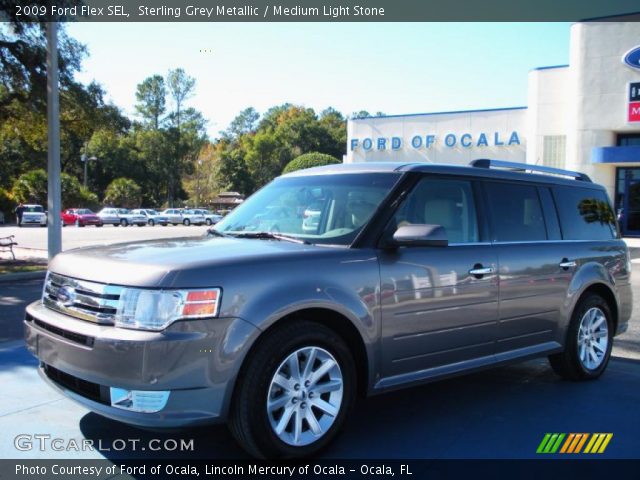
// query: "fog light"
[[139, 400]]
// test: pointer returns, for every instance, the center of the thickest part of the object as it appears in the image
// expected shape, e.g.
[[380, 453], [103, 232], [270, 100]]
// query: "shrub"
[[308, 160], [123, 192]]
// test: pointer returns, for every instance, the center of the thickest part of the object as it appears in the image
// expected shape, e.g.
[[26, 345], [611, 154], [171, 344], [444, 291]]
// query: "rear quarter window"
[[585, 214]]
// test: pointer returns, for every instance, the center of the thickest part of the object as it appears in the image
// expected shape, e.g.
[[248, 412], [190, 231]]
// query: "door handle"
[[479, 271], [566, 264]]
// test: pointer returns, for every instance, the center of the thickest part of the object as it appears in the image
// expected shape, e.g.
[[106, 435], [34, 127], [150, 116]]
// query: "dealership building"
[[584, 116]]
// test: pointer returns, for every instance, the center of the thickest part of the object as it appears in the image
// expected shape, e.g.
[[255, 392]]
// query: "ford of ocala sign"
[[632, 58], [451, 140]]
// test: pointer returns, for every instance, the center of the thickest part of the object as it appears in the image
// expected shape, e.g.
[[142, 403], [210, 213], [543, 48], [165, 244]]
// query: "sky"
[[394, 68]]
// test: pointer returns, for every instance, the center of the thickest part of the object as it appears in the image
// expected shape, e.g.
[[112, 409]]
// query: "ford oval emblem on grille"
[[66, 296], [632, 58]]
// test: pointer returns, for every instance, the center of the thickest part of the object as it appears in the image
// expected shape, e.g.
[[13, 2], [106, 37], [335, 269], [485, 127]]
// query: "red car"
[[80, 217]]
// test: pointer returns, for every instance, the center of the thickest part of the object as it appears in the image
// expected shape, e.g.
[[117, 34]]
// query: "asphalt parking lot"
[[498, 413], [74, 237]]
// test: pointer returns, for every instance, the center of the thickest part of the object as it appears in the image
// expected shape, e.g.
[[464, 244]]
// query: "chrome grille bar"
[[94, 302]]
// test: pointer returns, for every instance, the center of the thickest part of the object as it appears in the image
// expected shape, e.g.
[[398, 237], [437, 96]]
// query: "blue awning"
[[615, 154]]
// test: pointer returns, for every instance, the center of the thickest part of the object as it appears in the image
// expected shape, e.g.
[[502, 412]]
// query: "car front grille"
[[94, 302]]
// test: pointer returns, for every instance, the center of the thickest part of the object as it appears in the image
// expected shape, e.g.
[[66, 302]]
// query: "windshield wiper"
[[271, 236], [215, 233]]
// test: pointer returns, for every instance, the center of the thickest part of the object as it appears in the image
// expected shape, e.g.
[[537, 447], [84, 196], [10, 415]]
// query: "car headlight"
[[157, 309]]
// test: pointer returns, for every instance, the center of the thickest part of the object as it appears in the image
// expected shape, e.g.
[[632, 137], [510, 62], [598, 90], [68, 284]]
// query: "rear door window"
[[516, 213], [585, 214]]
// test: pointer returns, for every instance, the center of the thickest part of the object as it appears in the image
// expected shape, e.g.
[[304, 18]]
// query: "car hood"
[[165, 263]]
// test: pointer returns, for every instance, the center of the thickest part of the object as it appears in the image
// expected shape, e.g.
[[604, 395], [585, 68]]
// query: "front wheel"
[[151, 222], [124, 222], [295, 393], [186, 222], [208, 222], [589, 341]]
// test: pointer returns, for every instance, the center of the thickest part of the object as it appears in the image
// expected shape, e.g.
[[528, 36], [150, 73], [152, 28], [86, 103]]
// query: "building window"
[[628, 140], [554, 150]]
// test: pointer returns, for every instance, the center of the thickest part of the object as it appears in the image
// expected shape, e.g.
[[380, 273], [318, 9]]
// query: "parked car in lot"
[[417, 272], [187, 217], [127, 217], [153, 217], [121, 216], [33, 215], [80, 217], [210, 218]]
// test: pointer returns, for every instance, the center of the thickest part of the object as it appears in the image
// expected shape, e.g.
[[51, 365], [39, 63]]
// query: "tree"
[[23, 51], [245, 122], [151, 96], [181, 87], [123, 192], [309, 160]]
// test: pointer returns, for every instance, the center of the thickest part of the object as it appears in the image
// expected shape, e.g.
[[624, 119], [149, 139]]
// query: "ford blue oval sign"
[[632, 58]]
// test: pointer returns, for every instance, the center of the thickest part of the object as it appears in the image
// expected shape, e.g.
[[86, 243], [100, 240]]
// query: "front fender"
[[274, 303]]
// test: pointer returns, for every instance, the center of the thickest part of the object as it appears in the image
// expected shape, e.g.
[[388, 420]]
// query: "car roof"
[[443, 169]]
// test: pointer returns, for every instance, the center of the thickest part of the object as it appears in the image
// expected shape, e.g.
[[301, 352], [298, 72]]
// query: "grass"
[[19, 266]]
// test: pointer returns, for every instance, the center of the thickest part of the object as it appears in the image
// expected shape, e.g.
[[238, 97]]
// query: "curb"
[[20, 276]]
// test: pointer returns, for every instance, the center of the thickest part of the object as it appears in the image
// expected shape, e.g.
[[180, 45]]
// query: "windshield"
[[151, 211], [33, 208], [328, 209], [84, 211]]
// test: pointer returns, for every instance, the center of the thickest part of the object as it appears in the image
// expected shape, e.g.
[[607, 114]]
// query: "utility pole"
[[54, 237]]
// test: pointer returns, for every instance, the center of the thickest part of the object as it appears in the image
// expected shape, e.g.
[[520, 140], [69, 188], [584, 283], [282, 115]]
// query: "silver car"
[[415, 273], [152, 216], [210, 218]]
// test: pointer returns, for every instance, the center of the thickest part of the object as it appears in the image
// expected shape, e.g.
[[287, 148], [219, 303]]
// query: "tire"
[[124, 222], [99, 224], [141, 224], [208, 222], [186, 222], [575, 363], [253, 425], [151, 222]]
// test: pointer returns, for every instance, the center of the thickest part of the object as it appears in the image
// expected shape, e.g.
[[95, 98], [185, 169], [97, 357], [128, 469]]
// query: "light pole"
[[86, 160], [198, 182], [54, 233]]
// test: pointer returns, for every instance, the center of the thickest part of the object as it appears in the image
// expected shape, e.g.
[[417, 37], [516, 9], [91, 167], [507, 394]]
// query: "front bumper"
[[197, 361]]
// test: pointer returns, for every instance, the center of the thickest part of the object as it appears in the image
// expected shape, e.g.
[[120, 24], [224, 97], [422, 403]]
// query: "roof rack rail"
[[527, 167]]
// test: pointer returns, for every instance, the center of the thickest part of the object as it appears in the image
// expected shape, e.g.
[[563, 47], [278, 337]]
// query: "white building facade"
[[584, 116]]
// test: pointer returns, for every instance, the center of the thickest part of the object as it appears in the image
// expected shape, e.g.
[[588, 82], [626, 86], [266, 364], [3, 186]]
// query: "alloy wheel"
[[304, 396], [593, 338]]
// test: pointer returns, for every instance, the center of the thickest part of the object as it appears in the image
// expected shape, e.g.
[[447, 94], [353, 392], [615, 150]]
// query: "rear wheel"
[[208, 222], [589, 341], [124, 222], [296, 391], [151, 222]]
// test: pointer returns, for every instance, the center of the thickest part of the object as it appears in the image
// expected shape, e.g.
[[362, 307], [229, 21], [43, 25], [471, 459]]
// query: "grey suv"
[[414, 273]]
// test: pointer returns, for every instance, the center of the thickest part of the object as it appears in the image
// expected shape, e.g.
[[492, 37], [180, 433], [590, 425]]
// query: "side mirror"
[[420, 236]]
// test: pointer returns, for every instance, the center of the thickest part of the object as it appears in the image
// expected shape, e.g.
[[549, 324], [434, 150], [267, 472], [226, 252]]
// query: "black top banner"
[[316, 10]]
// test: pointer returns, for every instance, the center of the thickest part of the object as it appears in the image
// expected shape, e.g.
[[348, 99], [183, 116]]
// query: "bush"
[[123, 192], [31, 187], [308, 160]]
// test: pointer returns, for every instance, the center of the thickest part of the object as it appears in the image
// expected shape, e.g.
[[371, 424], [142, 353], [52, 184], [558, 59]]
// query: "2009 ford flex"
[[408, 273]]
